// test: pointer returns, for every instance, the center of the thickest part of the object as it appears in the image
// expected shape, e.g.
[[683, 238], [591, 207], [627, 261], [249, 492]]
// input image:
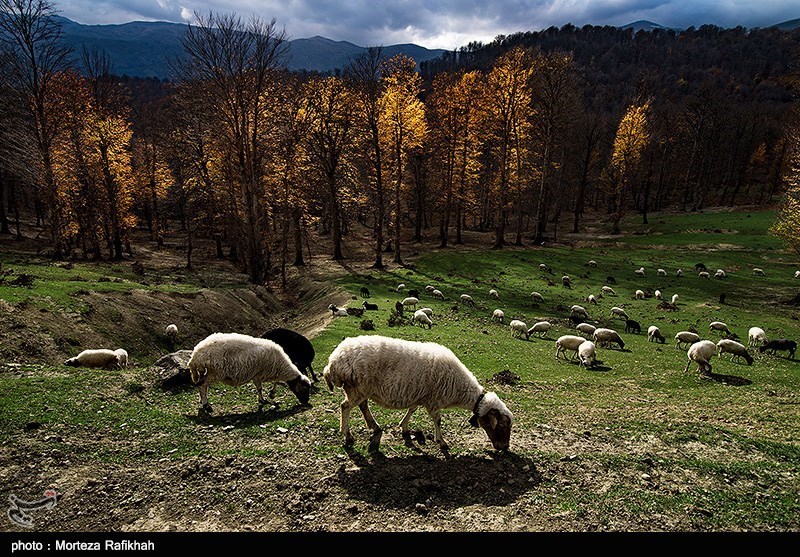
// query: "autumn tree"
[[787, 223]]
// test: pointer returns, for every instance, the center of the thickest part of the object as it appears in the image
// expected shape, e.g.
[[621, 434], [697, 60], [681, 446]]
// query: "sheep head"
[[496, 421], [301, 387]]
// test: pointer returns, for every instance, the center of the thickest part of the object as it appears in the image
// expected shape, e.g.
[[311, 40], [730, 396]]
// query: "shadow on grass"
[[247, 419], [404, 481], [734, 380]]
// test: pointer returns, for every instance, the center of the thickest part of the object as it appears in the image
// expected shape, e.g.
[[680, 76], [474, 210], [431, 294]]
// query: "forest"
[[520, 138]]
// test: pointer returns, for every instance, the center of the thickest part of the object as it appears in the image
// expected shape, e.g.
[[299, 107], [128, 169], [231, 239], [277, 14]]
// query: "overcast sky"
[[440, 23]]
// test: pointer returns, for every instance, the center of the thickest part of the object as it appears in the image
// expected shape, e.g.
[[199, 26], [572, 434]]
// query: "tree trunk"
[[4, 229]]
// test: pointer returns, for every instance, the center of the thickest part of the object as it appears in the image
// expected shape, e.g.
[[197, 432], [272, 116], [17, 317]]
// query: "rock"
[[420, 508], [283, 430], [353, 509], [646, 477], [227, 428], [173, 369], [30, 426]]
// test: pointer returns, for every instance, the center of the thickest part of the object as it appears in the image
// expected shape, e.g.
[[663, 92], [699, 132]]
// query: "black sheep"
[[365, 292], [700, 267], [780, 344], [611, 280], [296, 346], [367, 305], [414, 293], [632, 326], [722, 298]]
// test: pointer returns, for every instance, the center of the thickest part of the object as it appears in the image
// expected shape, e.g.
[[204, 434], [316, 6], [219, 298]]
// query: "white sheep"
[[400, 287], [608, 290], [657, 295], [437, 294], [494, 294], [756, 336], [735, 349], [422, 318], [539, 328], [662, 273], [426, 311], [101, 357], [585, 328], [410, 301], [542, 267], [579, 310], [467, 299], [654, 334], [639, 272], [701, 352], [686, 337], [337, 311], [171, 331], [122, 357], [568, 342], [566, 281], [429, 289], [519, 328], [720, 274], [592, 263], [604, 337], [704, 275], [591, 299], [639, 295], [587, 354], [498, 315], [797, 274], [674, 299], [536, 297], [679, 272], [719, 326], [618, 312], [236, 359], [758, 272], [402, 374]]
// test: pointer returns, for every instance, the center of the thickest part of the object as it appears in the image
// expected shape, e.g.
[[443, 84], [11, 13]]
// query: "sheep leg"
[[404, 426], [377, 432], [205, 406], [344, 422], [313, 375], [260, 391], [436, 416]]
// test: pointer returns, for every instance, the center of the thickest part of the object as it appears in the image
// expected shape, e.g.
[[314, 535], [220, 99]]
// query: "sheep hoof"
[[348, 441], [443, 446], [375, 440], [419, 436], [206, 409], [407, 439]]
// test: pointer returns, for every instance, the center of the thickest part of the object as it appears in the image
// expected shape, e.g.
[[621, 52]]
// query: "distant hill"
[[143, 49], [643, 25], [790, 25]]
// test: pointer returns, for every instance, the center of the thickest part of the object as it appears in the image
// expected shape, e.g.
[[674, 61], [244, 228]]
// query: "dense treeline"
[[519, 137]]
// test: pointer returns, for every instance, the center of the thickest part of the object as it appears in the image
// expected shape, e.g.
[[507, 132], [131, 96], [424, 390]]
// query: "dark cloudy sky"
[[440, 23]]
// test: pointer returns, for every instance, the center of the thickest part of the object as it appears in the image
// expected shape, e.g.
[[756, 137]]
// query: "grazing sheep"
[[579, 310], [654, 334], [536, 297], [608, 290], [674, 299], [171, 331], [426, 311], [720, 274], [410, 301], [542, 267], [679, 272], [703, 275], [467, 300], [566, 282], [591, 299], [568, 342], [398, 307], [618, 312], [101, 357], [539, 328], [657, 295], [780, 344], [236, 359], [519, 328], [122, 357], [686, 337], [429, 289], [402, 374], [701, 352], [661, 273], [498, 315], [632, 326], [358, 312], [297, 347], [756, 336], [494, 294], [639, 272], [719, 326], [587, 354], [639, 295], [413, 293], [604, 337], [422, 318], [592, 263], [437, 294], [337, 311], [735, 349], [585, 328], [369, 306], [758, 272], [400, 287], [365, 292], [700, 267], [797, 274], [611, 280], [722, 298]]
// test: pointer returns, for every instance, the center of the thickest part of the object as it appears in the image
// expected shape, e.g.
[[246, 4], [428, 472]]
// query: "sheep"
[[654, 334], [608, 290], [719, 326], [700, 267], [422, 318], [437, 294], [365, 292], [587, 354], [171, 331], [410, 301], [400, 287], [679, 272], [539, 328], [657, 295], [519, 328], [756, 336], [536, 297], [592, 263], [566, 282], [467, 300], [722, 297], [661, 272], [429, 289], [674, 299], [579, 310], [639, 295], [398, 307], [498, 315], [780, 344], [686, 337], [611, 280], [568, 342], [618, 312], [122, 357], [701, 352], [720, 274], [543, 267], [591, 299], [413, 293], [703, 275], [735, 349], [797, 274], [337, 311], [585, 328], [632, 326], [358, 312], [236, 359], [494, 294], [758, 272], [639, 272], [297, 347], [102, 357], [606, 336], [369, 306], [402, 374], [426, 311]]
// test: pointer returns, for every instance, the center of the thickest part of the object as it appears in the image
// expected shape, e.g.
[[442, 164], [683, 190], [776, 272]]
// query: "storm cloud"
[[442, 24]]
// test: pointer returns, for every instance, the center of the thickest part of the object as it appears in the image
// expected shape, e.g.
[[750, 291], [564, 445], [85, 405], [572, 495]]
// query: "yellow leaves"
[[632, 137], [787, 224]]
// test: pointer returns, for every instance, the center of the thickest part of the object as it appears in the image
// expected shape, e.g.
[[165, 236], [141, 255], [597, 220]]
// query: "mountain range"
[[144, 48]]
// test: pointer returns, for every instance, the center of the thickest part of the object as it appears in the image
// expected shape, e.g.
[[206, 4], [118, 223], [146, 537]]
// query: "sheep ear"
[[492, 415], [473, 421]]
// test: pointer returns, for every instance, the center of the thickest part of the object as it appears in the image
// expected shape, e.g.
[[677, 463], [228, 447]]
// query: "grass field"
[[637, 444]]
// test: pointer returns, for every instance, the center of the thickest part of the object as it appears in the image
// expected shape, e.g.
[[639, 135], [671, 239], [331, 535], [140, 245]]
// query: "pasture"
[[635, 444]]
